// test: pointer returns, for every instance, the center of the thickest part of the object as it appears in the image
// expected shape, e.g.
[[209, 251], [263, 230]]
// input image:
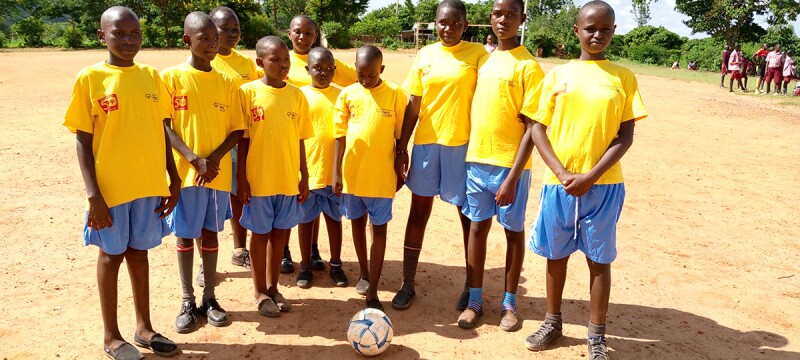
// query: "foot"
[[316, 261], [201, 279], [304, 279], [268, 308], [469, 318], [287, 267], [362, 286], [402, 300], [338, 276], [463, 300], [158, 343], [242, 259], [281, 302], [543, 337], [214, 313], [509, 322], [598, 349], [374, 304], [186, 320], [126, 351]]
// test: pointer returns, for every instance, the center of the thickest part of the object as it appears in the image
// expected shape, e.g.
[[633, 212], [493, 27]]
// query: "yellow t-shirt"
[[276, 119], [445, 77], [507, 83], [583, 103], [298, 75], [238, 66], [371, 119], [205, 110], [124, 109], [320, 148]]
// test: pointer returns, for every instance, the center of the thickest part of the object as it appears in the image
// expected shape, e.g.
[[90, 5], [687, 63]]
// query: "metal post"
[[524, 25]]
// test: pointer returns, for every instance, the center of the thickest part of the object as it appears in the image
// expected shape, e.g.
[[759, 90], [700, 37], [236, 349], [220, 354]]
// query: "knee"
[[182, 242], [105, 259], [136, 257]]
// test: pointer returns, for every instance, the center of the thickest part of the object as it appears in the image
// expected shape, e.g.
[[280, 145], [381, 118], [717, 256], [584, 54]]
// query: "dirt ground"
[[707, 266]]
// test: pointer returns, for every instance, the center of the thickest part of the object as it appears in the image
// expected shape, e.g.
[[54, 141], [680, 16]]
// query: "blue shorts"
[[587, 223], [199, 208], [483, 181], [439, 170], [354, 207], [135, 224], [270, 212], [320, 200]]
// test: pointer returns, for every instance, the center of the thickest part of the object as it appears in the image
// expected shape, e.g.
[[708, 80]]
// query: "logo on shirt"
[[109, 103], [220, 107], [425, 69], [244, 76], [511, 83], [386, 113], [291, 115], [153, 97], [257, 113], [181, 102]]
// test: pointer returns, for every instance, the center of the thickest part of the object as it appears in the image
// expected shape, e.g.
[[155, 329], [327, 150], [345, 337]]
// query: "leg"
[[277, 241], [376, 254], [107, 274], [359, 226], [556, 277], [239, 232], [138, 269], [305, 234], [418, 216], [186, 321], [258, 263], [731, 84], [316, 260], [600, 289], [334, 238], [209, 249], [463, 299], [476, 258]]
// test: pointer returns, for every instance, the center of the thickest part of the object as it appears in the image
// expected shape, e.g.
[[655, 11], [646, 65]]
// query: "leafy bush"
[[3, 40], [658, 36], [617, 48], [71, 37], [784, 35], [153, 35], [547, 31], [30, 31], [376, 26], [389, 43], [707, 52], [255, 27], [648, 54], [337, 35]]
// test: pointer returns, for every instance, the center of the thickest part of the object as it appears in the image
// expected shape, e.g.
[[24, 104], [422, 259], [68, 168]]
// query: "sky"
[[662, 12]]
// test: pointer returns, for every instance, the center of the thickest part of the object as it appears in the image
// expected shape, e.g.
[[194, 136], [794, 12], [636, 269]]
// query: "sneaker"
[[287, 266], [304, 279], [543, 337], [316, 261], [402, 300], [280, 301], [213, 312], [338, 276], [463, 300], [200, 280], [374, 304], [268, 308], [362, 286], [243, 259], [186, 320], [598, 349]]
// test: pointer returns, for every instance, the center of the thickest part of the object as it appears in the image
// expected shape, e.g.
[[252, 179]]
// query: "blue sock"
[[475, 299], [510, 301]]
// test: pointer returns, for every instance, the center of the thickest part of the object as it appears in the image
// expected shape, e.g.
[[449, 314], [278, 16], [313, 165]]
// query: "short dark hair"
[[457, 5], [267, 42]]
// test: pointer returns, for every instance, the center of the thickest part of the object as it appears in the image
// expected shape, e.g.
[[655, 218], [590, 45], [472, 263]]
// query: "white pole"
[[524, 27]]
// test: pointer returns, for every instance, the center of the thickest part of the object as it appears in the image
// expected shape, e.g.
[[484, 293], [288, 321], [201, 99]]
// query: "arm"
[[242, 186], [168, 202], [99, 216], [542, 143], [341, 143], [619, 146], [410, 119], [226, 146], [508, 189], [303, 186], [206, 171]]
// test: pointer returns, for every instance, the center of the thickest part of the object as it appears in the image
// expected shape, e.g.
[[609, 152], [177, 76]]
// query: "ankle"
[[554, 320]]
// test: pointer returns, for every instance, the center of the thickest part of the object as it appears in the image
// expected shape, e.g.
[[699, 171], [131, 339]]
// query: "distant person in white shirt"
[[789, 71], [490, 45], [775, 68]]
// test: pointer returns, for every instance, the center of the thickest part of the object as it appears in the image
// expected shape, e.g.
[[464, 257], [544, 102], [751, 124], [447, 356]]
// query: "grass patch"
[[660, 71]]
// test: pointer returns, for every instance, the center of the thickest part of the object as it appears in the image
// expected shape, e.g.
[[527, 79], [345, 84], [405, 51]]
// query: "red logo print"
[[109, 103], [181, 102], [257, 113]]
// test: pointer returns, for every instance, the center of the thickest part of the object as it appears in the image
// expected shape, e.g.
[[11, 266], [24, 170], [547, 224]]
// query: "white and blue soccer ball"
[[370, 332]]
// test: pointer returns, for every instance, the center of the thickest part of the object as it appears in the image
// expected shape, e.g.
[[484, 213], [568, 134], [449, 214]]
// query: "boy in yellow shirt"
[[320, 157], [206, 124], [590, 106], [243, 70], [117, 112], [303, 33], [498, 159], [272, 176], [369, 117]]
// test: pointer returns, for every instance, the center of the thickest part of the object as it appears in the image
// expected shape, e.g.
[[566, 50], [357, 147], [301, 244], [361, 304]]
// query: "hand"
[[99, 216], [401, 165], [579, 185], [168, 203], [302, 187], [400, 182], [523, 119], [337, 183], [207, 170], [243, 190], [506, 193]]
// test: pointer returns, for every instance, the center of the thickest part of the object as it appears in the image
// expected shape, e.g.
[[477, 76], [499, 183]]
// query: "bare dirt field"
[[707, 267]]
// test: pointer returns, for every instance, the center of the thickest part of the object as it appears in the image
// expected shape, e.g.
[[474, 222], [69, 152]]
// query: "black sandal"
[[160, 345], [126, 351]]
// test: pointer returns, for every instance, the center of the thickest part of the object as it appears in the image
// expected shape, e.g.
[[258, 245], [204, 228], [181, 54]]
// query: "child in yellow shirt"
[[590, 106], [320, 157], [369, 117], [272, 177], [498, 159], [206, 124], [117, 112]]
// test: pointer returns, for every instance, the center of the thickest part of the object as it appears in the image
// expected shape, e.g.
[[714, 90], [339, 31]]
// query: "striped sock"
[[209, 255], [475, 299], [510, 302]]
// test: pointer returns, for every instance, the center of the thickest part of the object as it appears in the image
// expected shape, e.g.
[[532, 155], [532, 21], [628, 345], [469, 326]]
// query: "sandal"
[[283, 304], [126, 351], [160, 345]]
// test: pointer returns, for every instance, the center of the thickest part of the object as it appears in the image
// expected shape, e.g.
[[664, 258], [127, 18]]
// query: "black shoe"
[[402, 300], [214, 313], [287, 267], [463, 300], [316, 261], [304, 279], [186, 320], [374, 304], [338, 276]]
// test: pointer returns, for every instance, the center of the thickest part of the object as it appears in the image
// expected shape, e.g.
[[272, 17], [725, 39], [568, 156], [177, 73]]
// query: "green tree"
[[641, 12], [783, 34], [425, 11], [734, 20], [547, 30], [658, 36], [379, 23], [30, 30]]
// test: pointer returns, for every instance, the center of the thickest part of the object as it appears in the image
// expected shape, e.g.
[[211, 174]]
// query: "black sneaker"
[[374, 304], [463, 300], [243, 259], [402, 300], [338, 276], [186, 320], [214, 313], [598, 349], [316, 261], [287, 266], [543, 337], [304, 279]]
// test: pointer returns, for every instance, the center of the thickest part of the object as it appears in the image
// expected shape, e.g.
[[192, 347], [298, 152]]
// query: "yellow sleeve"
[[169, 89], [304, 118], [345, 75], [413, 82], [400, 110], [245, 110], [236, 116], [341, 116], [531, 84], [634, 106], [547, 100], [80, 116]]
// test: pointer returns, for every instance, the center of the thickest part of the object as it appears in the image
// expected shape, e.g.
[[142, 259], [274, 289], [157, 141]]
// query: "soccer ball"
[[370, 332]]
